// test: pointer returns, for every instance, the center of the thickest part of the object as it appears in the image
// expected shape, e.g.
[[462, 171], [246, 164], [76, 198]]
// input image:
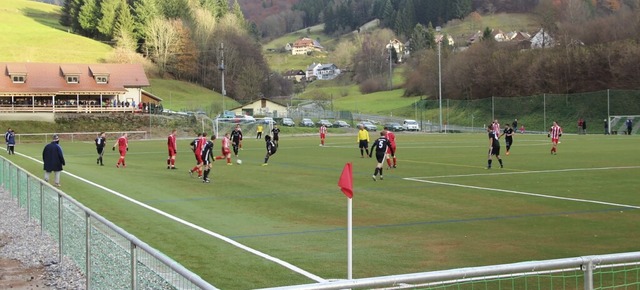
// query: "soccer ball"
[[239, 161]]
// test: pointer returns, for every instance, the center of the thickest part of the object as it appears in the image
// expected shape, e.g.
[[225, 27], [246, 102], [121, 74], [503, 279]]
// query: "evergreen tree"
[[238, 13], [125, 22], [87, 16], [388, 14], [106, 24], [419, 38], [144, 13], [222, 8]]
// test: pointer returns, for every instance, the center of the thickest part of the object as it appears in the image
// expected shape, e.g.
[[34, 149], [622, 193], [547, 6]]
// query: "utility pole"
[[221, 68]]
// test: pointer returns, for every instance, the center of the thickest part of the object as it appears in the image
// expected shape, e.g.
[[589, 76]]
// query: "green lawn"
[[439, 209], [39, 28]]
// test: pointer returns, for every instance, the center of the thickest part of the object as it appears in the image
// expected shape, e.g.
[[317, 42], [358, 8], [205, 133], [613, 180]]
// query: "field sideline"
[[440, 209]]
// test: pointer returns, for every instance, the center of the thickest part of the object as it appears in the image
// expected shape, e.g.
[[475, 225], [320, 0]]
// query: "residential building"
[[262, 107]]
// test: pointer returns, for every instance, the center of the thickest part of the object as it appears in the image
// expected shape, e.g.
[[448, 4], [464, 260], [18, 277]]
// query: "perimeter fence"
[[108, 256]]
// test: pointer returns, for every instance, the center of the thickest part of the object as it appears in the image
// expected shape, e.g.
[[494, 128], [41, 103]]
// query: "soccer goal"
[[618, 124], [249, 126]]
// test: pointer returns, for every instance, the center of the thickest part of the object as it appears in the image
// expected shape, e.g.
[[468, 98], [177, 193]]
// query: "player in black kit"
[[381, 144], [236, 137], [207, 158], [100, 141], [508, 137], [494, 146]]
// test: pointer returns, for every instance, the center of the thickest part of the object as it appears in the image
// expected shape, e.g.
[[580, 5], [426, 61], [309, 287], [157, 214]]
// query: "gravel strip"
[[27, 245]]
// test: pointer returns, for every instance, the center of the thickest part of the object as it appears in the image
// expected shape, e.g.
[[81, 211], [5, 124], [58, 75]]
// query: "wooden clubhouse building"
[[68, 88]]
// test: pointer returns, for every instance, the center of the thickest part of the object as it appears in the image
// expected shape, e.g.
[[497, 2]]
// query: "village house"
[[320, 71], [262, 107], [305, 45], [296, 75], [51, 87]]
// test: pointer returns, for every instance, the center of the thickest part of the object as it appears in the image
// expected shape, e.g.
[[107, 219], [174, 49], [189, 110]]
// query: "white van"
[[411, 125]]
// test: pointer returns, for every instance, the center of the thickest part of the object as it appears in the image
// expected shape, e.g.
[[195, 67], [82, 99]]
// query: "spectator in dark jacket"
[[53, 160]]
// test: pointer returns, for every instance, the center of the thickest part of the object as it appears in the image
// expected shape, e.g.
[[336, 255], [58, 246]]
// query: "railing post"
[[28, 200], [60, 244], [588, 275], [41, 208], [134, 257], [87, 241]]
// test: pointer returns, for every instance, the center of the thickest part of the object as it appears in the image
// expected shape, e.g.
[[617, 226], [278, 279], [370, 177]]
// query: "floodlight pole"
[[221, 68], [438, 29]]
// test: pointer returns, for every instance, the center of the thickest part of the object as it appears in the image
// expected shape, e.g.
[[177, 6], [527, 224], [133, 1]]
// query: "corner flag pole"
[[346, 185], [350, 239]]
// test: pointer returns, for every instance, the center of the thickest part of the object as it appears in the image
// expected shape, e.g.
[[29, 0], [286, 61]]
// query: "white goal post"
[[617, 123], [249, 126]]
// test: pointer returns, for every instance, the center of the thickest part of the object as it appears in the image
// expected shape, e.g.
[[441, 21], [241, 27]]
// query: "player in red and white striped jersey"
[[495, 127], [555, 133], [226, 152], [323, 133]]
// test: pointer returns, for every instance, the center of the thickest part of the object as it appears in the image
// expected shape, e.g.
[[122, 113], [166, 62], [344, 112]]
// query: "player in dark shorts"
[[494, 146], [380, 145], [100, 141], [236, 138], [276, 134], [271, 149], [207, 158], [508, 137]]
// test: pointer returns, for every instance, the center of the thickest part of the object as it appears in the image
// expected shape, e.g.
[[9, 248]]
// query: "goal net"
[[618, 124], [249, 127]]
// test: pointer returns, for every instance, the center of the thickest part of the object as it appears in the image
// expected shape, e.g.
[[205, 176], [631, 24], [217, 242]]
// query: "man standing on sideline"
[[172, 147], [494, 147], [53, 160], [101, 142], [11, 142], [236, 138], [555, 133], [6, 139], [323, 133], [275, 132], [629, 126], [259, 132], [207, 158], [508, 137], [606, 127], [123, 147], [363, 141], [392, 139], [514, 125], [380, 145]]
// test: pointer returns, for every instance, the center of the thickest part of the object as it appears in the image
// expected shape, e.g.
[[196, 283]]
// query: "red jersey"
[[200, 144], [171, 143], [496, 129], [392, 138], [555, 132], [225, 143], [323, 130], [123, 143]]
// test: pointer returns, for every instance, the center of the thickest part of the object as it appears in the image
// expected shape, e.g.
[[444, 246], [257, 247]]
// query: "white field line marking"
[[524, 193], [199, 228], [528, 172]]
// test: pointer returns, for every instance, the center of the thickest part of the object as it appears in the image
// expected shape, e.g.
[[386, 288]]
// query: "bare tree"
[[162, 38]]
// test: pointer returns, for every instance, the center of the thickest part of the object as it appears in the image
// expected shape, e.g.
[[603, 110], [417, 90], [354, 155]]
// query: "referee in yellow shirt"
[[363, 140]]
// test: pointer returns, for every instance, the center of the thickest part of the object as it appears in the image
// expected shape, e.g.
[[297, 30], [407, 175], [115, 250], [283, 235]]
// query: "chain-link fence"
[[109, 257]]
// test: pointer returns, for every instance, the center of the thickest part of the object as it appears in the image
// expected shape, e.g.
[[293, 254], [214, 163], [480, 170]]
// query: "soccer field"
[[285, 223]]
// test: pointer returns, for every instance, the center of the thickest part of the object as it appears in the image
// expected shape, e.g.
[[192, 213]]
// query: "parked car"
[[288, 122], [394, 126], [372, 121], [411, 125], [326, 123], [268, 121], [246, 119], [306, 123], [369, 126], [341, 124]]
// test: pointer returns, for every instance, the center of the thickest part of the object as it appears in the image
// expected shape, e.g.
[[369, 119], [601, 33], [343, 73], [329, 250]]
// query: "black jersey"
[[495, 142], [508, 132], [100, 142], [207, 151], [236, 136], [271, 147], [381, 144], [275, 132]]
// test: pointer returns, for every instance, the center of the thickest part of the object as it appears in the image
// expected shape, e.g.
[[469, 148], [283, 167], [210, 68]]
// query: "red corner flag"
[[346, 180]]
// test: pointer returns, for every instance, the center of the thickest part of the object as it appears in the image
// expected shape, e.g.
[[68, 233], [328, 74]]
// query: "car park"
[[306, 123], [268, 121], [369, 126], [288, 122], [341, 124], [326, 123], [394, 126], [411, 125]]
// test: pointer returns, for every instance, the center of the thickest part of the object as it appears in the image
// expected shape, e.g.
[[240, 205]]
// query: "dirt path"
[[14, 275]]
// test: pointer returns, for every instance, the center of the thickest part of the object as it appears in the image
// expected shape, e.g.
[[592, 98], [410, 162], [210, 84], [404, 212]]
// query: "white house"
[[262, 107], [542, 39]]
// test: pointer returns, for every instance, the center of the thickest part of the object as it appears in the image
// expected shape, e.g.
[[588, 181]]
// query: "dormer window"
[[72, 79], [18, 79], [102, 79]]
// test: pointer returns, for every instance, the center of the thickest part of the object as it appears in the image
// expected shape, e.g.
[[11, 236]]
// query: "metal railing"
[[108, 256]]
